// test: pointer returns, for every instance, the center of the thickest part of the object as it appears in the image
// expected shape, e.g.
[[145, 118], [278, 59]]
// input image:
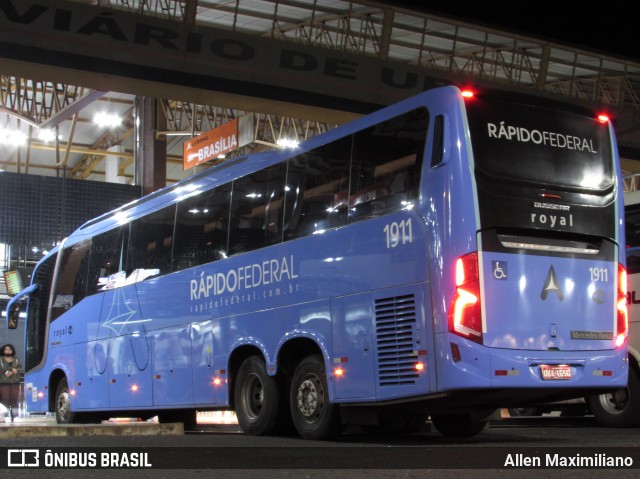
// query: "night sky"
[[610, 26]]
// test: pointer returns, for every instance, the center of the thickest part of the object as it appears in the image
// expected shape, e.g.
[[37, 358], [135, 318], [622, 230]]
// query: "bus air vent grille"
[[395, 322]]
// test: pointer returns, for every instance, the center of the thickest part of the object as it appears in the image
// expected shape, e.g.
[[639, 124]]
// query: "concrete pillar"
[[151, 154]]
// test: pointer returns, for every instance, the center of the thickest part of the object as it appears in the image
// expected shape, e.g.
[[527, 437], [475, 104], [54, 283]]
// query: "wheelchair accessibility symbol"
[[499, 269]]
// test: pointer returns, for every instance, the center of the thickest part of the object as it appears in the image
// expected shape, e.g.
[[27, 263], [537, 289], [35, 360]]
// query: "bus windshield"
[[540, 145]]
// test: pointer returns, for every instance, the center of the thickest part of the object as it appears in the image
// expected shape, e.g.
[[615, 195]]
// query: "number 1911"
[[599, 275], [399, 233]]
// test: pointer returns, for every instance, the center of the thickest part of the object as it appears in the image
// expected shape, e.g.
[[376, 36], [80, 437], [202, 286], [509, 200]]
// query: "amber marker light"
[[134, 388], [217, 381], [339, 372], [419, 367]]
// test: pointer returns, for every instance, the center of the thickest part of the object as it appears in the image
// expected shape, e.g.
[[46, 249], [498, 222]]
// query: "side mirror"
[[14, 315], [13, 308]]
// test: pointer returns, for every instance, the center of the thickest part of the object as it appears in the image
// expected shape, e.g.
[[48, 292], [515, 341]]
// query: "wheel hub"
[[308, 398], [253, 396]]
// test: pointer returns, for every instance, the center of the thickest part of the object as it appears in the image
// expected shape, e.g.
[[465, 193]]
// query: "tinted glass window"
[[257, 210], [202, 228], [108, 257], [71, 284], [317, 189], [545, 146], [151, 241], [386, 165]]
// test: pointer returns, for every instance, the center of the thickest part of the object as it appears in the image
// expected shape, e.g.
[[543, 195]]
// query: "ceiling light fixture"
[[48, 135], [107, 120], [12, 137], [286, 143]]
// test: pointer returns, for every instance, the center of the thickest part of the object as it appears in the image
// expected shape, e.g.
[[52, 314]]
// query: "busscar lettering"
[[502, 131]]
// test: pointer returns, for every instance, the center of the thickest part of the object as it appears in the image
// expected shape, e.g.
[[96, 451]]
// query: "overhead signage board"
[[210, 145], [218, 142]]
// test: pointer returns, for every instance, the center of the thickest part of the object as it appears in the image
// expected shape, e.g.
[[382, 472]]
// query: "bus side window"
[[108, 257], [202, 228], [386, 164], [317, 189], [151, 242], [71, 284], [257, 209]]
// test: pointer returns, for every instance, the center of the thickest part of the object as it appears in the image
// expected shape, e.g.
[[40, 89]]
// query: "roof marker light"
[[602, 118], [467, 94]]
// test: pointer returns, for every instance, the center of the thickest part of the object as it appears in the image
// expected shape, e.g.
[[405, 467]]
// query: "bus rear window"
[[540, 145]]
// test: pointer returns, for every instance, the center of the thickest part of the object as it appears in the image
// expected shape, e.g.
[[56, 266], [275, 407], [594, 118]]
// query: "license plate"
[[554, 373]]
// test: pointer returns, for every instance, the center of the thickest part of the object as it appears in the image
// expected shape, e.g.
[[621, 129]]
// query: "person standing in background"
[[9, 379]]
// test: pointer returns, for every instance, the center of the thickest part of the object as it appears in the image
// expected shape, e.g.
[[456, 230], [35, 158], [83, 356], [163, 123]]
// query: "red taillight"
[[465, 317], [623, 312]]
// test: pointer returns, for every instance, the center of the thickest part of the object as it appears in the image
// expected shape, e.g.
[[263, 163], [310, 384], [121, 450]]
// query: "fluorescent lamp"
[[107, 120]]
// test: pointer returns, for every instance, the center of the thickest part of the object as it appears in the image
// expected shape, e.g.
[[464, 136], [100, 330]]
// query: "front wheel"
[[457, 425], [620, 408], [64, 414], [314, 416]]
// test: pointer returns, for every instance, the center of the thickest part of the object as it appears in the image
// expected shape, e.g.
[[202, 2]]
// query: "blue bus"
[[445, 256]]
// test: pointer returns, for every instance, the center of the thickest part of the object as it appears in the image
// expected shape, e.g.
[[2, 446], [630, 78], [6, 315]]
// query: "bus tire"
[[457, 425], [620, 408], [257, 398], [314, 416], [62, 404]]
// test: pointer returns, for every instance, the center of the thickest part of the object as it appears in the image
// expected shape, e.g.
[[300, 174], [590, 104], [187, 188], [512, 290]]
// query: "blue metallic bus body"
[[166, 342]]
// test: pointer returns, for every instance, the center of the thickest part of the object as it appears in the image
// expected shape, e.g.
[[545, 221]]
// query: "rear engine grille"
[[395, 321]]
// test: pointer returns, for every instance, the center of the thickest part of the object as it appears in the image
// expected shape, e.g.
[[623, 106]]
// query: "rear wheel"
[[257, 399], [620, 408], [457, 425], [314, 416]]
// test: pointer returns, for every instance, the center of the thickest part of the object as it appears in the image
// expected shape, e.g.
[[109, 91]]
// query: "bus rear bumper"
[[477, 366], [559, 369]]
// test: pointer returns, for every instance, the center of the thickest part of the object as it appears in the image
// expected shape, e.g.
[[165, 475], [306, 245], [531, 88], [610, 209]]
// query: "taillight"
[[623, 312], [465, 317]]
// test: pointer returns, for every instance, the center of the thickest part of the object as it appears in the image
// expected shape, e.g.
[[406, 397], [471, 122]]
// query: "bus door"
[[172, 366], [353, 347], [548, 232], [128, 349], [207, 378]]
